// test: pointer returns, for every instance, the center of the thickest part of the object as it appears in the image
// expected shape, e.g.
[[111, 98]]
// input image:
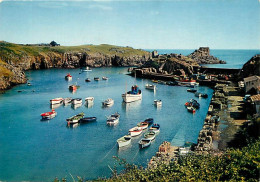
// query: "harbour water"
[[35, 150]]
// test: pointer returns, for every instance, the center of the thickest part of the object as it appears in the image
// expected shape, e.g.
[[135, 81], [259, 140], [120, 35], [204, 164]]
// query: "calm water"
[[234, 58], [32, 150]]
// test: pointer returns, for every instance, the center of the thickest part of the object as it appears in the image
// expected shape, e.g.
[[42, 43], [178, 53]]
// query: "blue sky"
[[176, 24]]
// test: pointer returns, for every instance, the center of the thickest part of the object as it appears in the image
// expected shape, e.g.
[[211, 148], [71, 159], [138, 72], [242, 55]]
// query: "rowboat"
[[135, 131], [68, 77], [124, 141], [150, 135], [56, 101], [75, 119], [150, 87], [143, 125], [108, 102], [157, 102], [76, 101], [49, 115], [89, 100], [104, 78], [96, 78], [144, 143], [113, 119], [155, 128], [87, 119], [67, 101], [88, 80], [133, 95]]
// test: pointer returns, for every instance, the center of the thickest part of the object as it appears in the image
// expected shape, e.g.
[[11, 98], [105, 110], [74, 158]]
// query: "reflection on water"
[[89, 104], [131, 106], [75, 106], [55, 106]]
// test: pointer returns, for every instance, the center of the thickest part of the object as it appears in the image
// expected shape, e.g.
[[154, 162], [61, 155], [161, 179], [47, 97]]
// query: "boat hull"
[[56, 101], [131, 97]]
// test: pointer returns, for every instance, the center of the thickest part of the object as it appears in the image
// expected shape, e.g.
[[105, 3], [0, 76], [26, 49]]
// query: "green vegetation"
[[4, 72]]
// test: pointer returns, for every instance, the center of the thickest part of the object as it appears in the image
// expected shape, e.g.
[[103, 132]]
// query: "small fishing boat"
[[149, 121], [89, 100], [87, 119], [143, 125], [56, 101], [96, 78], [124, 141], [29, 84], [67, 101], [150, 135], [73, 87], [191, 109], [155, 128], [104, 78], [186, 82], [76, 101], [76, 106], [49, 115], [144, 143], [86, 69], [113, 119], [133, 95], [135, 131], [198, 94], [68, 77], [88, 80], [75, 119], [191, 90], [157, 102], [193, 103], [150, 86], [108, 102]]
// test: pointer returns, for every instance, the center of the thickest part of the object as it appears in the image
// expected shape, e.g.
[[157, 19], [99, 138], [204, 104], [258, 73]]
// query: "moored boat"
[[87, 80], [144, 143], [76, 101], [96, 78], [89, 100], [56, 101], [149, 121], [157, 102], [86, 69], [104, 78], [150, 86], [155, 81], [75, 119], [193, 103], [198, 94], [143, 125], [155, 128], [68, 77], [49, 115], [67, 101], [124, 141], [113, 119], [186, 82], [87, 119], [73, 87], [191, 109], [108, 102], [133, 95], [191, 90], [150, 135], [135, 131]]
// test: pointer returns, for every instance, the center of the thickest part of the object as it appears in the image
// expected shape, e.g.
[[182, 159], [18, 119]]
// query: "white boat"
[[135, 131], [150, 86], [155, 128], [67, 101], [133, 95], [49, 115], [56, 101], [108, 102], [104, 78], [89, 100], [144, 143], [143, 125], [157, 102], [150, 135], [68, 77], [75, 106], [76, 101], [113, 119], [87, 69], [124, 141], [187, 82]]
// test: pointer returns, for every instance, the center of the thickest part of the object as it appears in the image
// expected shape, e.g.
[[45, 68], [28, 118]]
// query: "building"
[[256, 102], [251, 83]]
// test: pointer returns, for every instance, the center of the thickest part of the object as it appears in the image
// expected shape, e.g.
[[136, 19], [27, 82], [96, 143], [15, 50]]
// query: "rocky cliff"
[[202, 56], [15, 59], [251, 67]]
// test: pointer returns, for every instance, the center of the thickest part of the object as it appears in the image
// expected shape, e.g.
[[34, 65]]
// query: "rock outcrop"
[[251, 67], [202, 56]]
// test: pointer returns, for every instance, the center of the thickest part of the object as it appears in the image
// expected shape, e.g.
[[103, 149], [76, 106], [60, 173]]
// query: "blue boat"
[[87, 119], [149, 121], [155, 128]]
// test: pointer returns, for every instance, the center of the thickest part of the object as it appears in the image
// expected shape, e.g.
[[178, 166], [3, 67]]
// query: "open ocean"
[[35, 150]]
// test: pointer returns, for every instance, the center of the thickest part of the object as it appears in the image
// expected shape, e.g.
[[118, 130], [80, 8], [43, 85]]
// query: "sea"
[[36, 150]]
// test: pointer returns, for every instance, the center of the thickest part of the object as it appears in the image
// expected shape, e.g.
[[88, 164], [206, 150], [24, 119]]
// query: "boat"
[[113, 119], [198, 94], [193, 103], [150, 86], [133, 95], [87, 119], [155, 128], [76, 101], [96, 78], [155, 81], [135, 131], [86, 69], [108, 102], [191, 109], [124, 141], [56, 101], [67, 101], [88, 80], [68, 77], [144, 143], [149, 121], [191, 90], [29, 84], [49, 115], [73, 87], [157, 102], [89, 100], [171, 83], [150, 135], [76, 106], [186, 82], [75, 119], [104, 78], [143, 125]]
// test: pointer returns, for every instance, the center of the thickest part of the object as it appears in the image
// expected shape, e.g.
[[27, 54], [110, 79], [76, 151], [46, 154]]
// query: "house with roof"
[[251, 83], [255, 99]]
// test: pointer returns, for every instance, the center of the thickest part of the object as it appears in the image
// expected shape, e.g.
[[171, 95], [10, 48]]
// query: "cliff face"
[[15, 59], [202, 56], [251, 67]]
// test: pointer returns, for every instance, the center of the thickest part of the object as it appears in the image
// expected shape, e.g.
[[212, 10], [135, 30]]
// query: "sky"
[[160, 24]]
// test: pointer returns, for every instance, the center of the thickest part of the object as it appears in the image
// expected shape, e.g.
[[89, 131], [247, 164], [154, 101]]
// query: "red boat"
[[68, 77], [73, 88], [49, 115]]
